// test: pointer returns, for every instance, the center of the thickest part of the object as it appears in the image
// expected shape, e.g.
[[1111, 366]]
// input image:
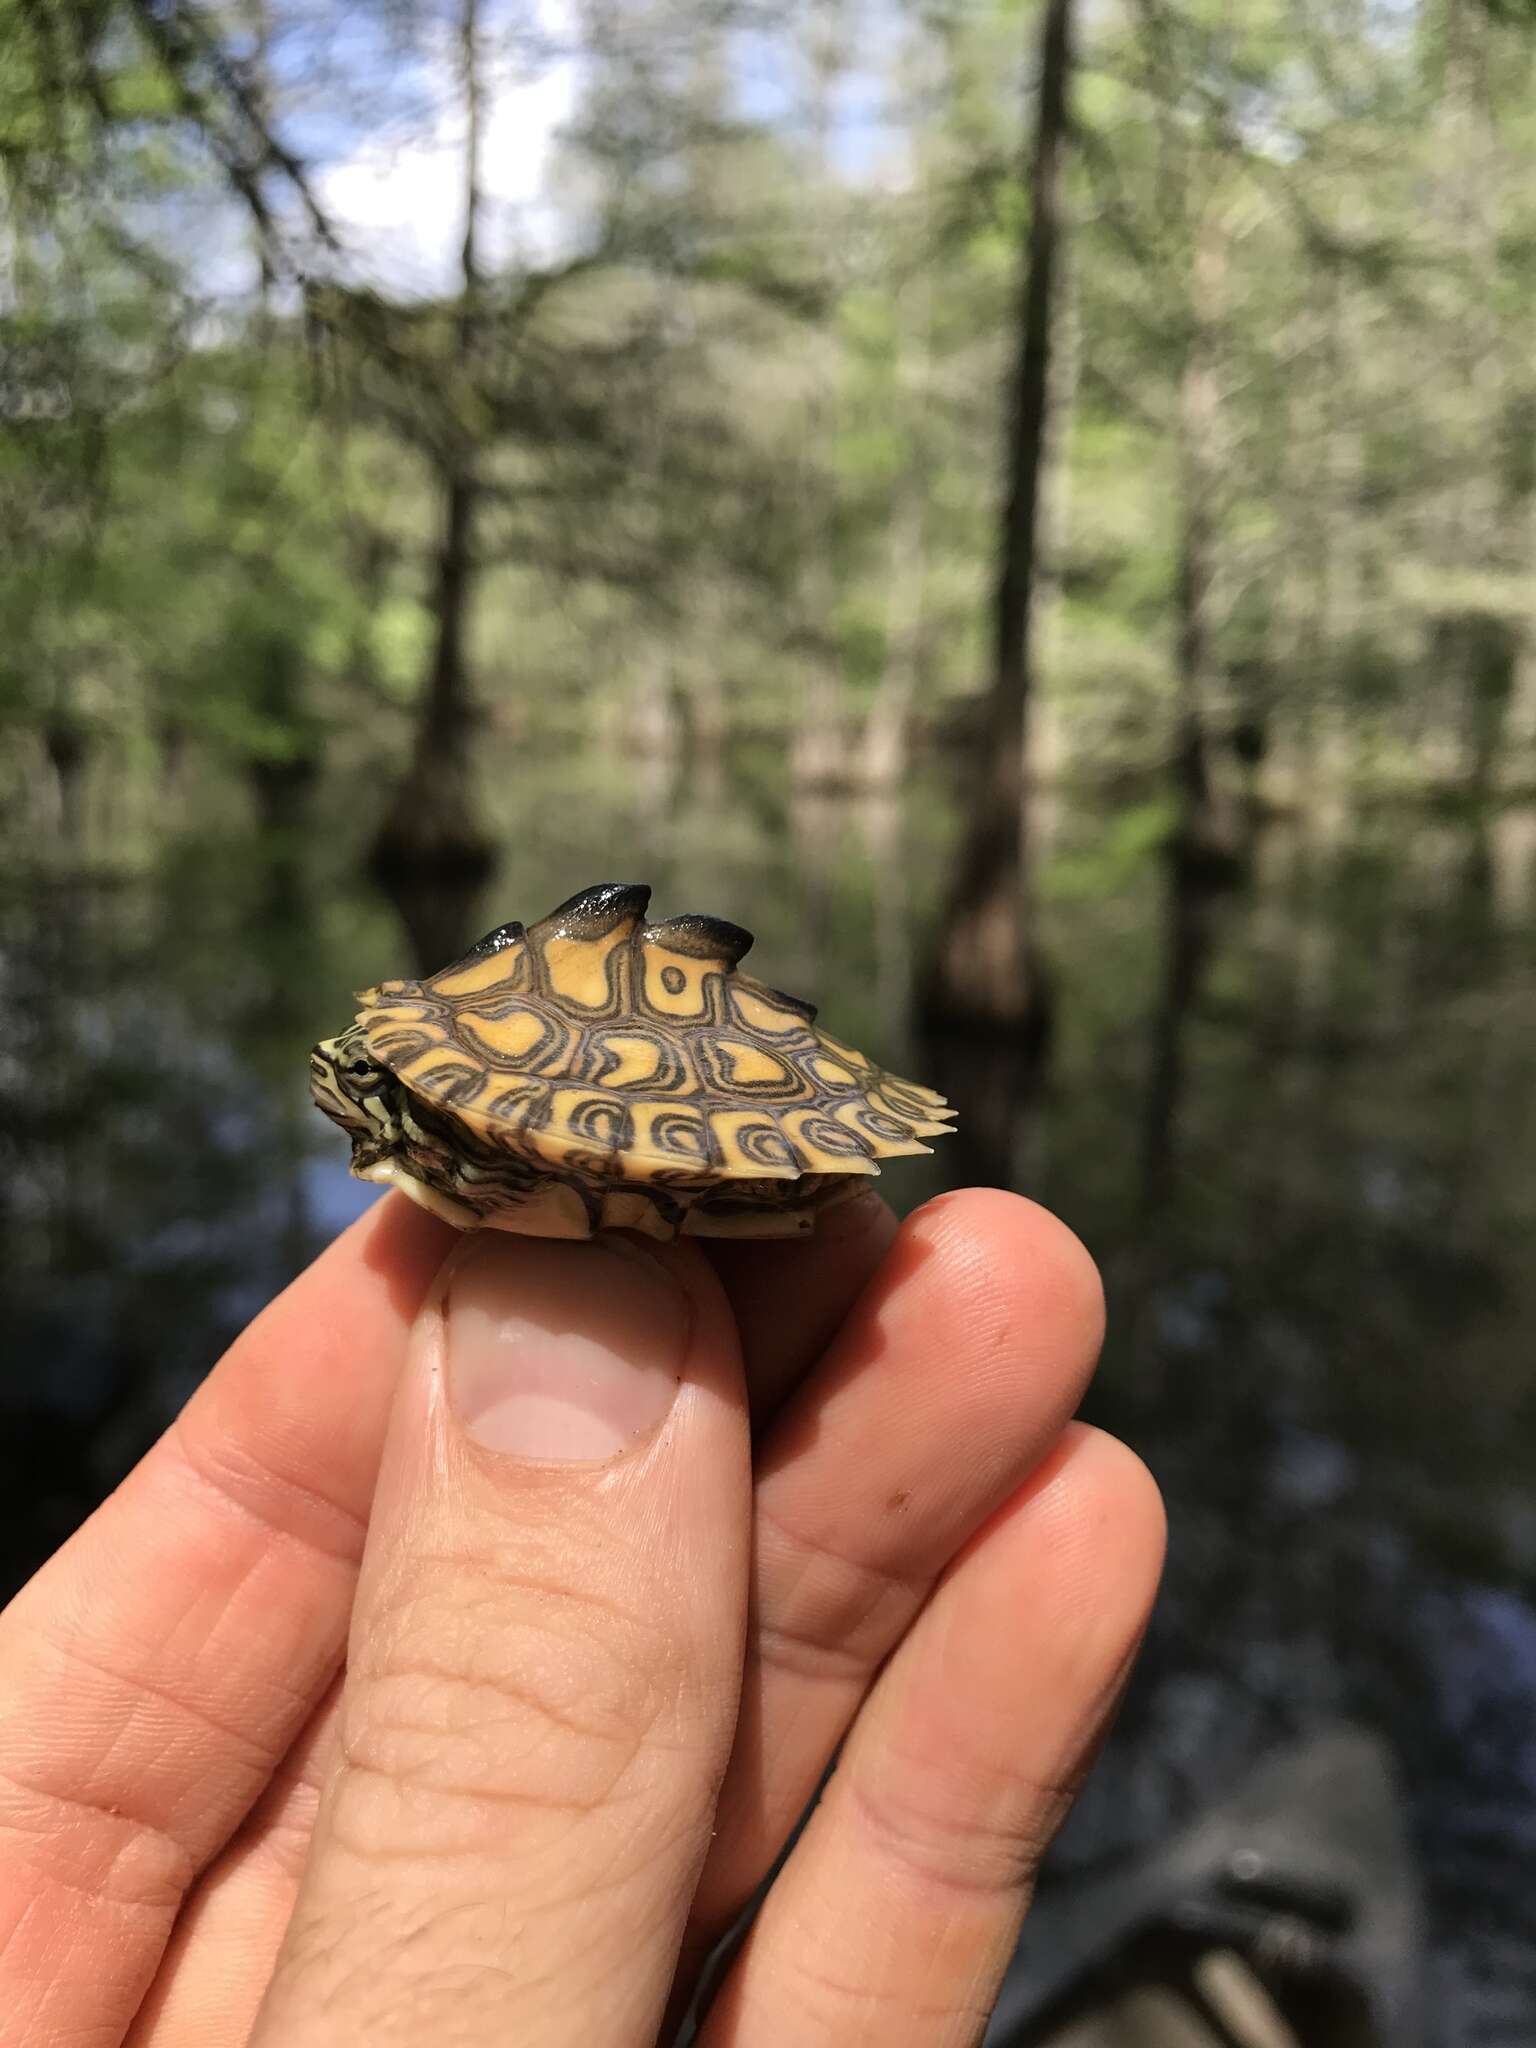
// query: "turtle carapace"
[[595, 1071]]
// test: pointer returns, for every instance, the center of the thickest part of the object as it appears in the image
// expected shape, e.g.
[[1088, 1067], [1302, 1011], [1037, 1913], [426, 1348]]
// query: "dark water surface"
[[1296, 1124]]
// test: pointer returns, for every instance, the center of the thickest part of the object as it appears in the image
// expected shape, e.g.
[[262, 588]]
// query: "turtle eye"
[[360, 1069]]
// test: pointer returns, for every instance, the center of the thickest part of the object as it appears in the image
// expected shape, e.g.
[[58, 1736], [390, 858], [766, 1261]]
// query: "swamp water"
[[1295, 1123]]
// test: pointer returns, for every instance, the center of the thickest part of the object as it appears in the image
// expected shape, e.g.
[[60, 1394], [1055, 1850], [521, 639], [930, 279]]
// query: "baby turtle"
[[598, 1072]]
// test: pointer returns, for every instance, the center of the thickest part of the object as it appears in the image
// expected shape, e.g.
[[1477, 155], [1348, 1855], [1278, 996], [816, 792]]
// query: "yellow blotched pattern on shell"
[[674, 985], [580, 971], [667, 1138], [747, 1065], [605, 1046], [818, 1139], [445, 1073], [478, 977], [507, 1039], [863, 1122], [753, 1147], [760, 1015], [585, 1120], [635, 1060], [833, 1073]]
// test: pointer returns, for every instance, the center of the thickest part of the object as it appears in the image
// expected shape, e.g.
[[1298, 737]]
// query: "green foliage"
[[746, 428]]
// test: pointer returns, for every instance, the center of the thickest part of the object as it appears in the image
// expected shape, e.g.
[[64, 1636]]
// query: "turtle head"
[[354, 1090]]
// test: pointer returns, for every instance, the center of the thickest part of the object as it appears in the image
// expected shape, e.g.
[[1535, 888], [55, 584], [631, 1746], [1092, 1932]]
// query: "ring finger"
[[895, 1916], [956, 1372]]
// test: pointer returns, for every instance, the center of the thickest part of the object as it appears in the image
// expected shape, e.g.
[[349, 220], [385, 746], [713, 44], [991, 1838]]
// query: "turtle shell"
[[619, 1051]]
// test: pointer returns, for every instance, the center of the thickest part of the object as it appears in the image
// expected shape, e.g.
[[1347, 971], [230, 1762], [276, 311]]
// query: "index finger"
[[155, 1672]]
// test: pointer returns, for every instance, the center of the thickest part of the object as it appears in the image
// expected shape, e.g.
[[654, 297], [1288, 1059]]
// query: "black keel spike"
[[593, 913], [702, 938], [505, 935]]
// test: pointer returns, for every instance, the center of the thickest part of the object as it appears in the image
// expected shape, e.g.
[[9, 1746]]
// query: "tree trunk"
[[1048, 741], [708, 721], [986, 971], [884, 749], [885, 746], [1337, 531], [818, 753], [1517, 767], [65, 744], [259, 23], [1478, 522], [1201, 838], [1292, 709], [432, 826], [1189, 921]]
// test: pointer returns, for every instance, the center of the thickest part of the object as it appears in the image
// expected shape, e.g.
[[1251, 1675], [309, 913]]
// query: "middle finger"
[[959, 1367], [790, 1298]]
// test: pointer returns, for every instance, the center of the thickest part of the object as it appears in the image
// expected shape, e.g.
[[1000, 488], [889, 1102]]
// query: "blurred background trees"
[[712, 442]]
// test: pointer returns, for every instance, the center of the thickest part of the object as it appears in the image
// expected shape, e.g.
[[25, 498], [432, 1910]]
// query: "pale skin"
[[345, 1721]]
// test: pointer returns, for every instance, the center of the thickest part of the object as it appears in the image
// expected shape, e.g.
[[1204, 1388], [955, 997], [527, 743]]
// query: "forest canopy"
[[695, 423]]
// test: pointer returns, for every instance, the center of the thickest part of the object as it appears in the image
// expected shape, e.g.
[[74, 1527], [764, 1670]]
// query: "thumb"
[[545, 1661]]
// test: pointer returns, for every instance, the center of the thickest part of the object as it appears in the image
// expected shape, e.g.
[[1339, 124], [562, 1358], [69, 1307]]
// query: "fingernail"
[[559, 1350]]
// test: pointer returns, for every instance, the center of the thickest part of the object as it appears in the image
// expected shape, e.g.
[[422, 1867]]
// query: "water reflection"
[[1295, 1121]]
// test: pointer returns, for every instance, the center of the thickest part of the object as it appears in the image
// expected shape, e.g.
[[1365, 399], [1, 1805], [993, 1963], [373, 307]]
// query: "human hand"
[[588, 1690]]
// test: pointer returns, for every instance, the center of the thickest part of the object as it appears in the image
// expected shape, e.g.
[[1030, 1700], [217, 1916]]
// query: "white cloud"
[[399, 204]]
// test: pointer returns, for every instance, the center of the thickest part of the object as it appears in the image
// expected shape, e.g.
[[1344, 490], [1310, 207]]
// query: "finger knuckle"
[[480, 1689], [828, 1613], [986, 1846]]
